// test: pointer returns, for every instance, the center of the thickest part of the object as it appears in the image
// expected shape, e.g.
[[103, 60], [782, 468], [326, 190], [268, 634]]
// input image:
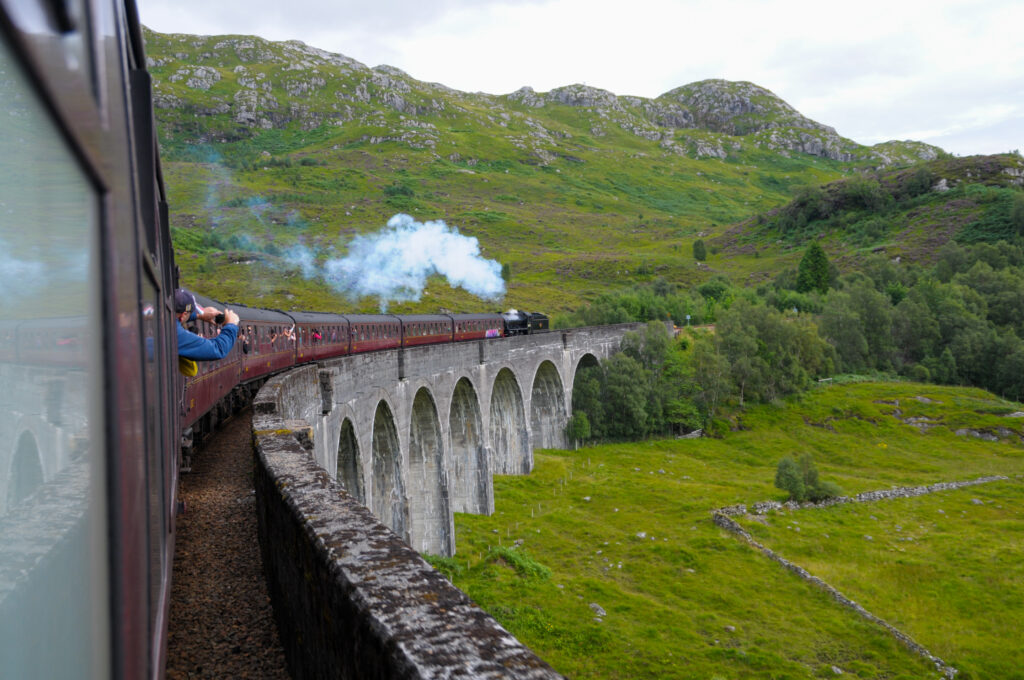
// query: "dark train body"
[[93, 409], [270, 341]]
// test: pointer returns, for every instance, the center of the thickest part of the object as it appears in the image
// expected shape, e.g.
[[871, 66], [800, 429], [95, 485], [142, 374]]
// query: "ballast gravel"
[[221, 624]]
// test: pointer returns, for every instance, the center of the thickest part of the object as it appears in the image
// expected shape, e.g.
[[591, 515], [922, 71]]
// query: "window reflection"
[[53, 603]]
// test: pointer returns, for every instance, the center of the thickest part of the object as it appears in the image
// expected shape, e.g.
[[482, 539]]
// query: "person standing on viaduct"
[[196, 347]]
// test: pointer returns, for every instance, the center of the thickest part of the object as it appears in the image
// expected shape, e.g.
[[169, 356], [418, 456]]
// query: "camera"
[[219, 319]]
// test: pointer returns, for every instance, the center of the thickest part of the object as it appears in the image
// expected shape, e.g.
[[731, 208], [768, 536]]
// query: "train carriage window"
[[53, 512]]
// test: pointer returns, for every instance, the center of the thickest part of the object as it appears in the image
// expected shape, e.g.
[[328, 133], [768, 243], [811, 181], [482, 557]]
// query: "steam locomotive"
[[93, 409]]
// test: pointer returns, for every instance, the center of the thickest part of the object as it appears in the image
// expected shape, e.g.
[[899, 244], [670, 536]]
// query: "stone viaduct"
[[359, 458], [416, 435]]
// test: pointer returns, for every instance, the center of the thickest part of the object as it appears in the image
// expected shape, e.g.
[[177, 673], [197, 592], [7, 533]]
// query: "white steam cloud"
[[303, 258], [394, 263]]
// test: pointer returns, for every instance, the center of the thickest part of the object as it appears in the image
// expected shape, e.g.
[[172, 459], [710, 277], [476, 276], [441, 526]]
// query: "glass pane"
[[157, 472], [54, 618]]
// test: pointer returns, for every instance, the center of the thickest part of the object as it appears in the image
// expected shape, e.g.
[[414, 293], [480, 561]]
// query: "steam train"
[[92, 405], [270, 341]]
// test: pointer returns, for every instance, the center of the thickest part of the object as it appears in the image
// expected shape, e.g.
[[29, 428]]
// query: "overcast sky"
[[947, 72]]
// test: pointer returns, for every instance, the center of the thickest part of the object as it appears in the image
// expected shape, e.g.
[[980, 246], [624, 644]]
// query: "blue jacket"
[[192, 346]]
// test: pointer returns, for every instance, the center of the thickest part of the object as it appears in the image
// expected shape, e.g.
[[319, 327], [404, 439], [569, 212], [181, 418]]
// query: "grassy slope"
[[681, 586], [976, 207], [573, 201], [568, 232]]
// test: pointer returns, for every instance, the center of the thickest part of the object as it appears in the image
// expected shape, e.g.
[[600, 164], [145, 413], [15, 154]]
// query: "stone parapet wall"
[[352, 600]]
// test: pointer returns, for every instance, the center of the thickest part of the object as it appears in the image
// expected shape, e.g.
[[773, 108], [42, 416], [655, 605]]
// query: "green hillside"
[[268, 145], [908, 213]]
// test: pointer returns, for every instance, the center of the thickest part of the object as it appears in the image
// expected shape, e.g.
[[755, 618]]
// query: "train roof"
[[422, 318], [258, 314], [317, 317], [477, 317], [371, 318], [245, 313]]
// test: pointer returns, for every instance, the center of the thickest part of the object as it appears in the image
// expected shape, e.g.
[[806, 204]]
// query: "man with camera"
[[196, 347]]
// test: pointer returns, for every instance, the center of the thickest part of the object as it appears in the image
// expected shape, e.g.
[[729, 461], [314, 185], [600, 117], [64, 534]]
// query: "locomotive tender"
[[93, 409]]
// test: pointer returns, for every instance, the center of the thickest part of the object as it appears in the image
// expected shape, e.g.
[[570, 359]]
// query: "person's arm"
[[208, 314], [192, 346]]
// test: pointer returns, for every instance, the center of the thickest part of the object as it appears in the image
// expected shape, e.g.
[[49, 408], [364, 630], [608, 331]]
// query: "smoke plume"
[[394, 263]]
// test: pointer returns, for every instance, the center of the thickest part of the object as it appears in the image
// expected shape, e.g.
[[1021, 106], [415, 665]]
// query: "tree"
[[788, 478], [715, 288], [874, 309], [1017, 212], [710, 374], [915, 331], [682, 415], [587, 397], [649, 346], [700, 252], [813, 271], [625, 398], [578, 428], [801, 480]]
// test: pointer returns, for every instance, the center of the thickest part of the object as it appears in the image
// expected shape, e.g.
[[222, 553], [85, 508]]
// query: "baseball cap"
[[184, 301]]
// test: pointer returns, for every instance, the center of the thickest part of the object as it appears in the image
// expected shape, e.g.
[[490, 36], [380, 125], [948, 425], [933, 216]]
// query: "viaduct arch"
[[416, 435]]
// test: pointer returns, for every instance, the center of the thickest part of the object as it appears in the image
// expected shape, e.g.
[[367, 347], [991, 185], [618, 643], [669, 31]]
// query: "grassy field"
[[627, 528]]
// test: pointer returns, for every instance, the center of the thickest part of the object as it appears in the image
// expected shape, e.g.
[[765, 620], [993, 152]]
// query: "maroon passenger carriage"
[[320, 336], [371, 332], [477, 326], [265, 345], [425, 329]]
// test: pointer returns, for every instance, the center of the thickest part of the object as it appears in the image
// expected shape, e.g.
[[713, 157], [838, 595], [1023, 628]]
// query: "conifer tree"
[[812, 273], [700, 252]]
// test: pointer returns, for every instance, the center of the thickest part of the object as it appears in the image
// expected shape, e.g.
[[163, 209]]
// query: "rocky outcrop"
[[738, 108], [582, 95], [255, 81], [198, 78]]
